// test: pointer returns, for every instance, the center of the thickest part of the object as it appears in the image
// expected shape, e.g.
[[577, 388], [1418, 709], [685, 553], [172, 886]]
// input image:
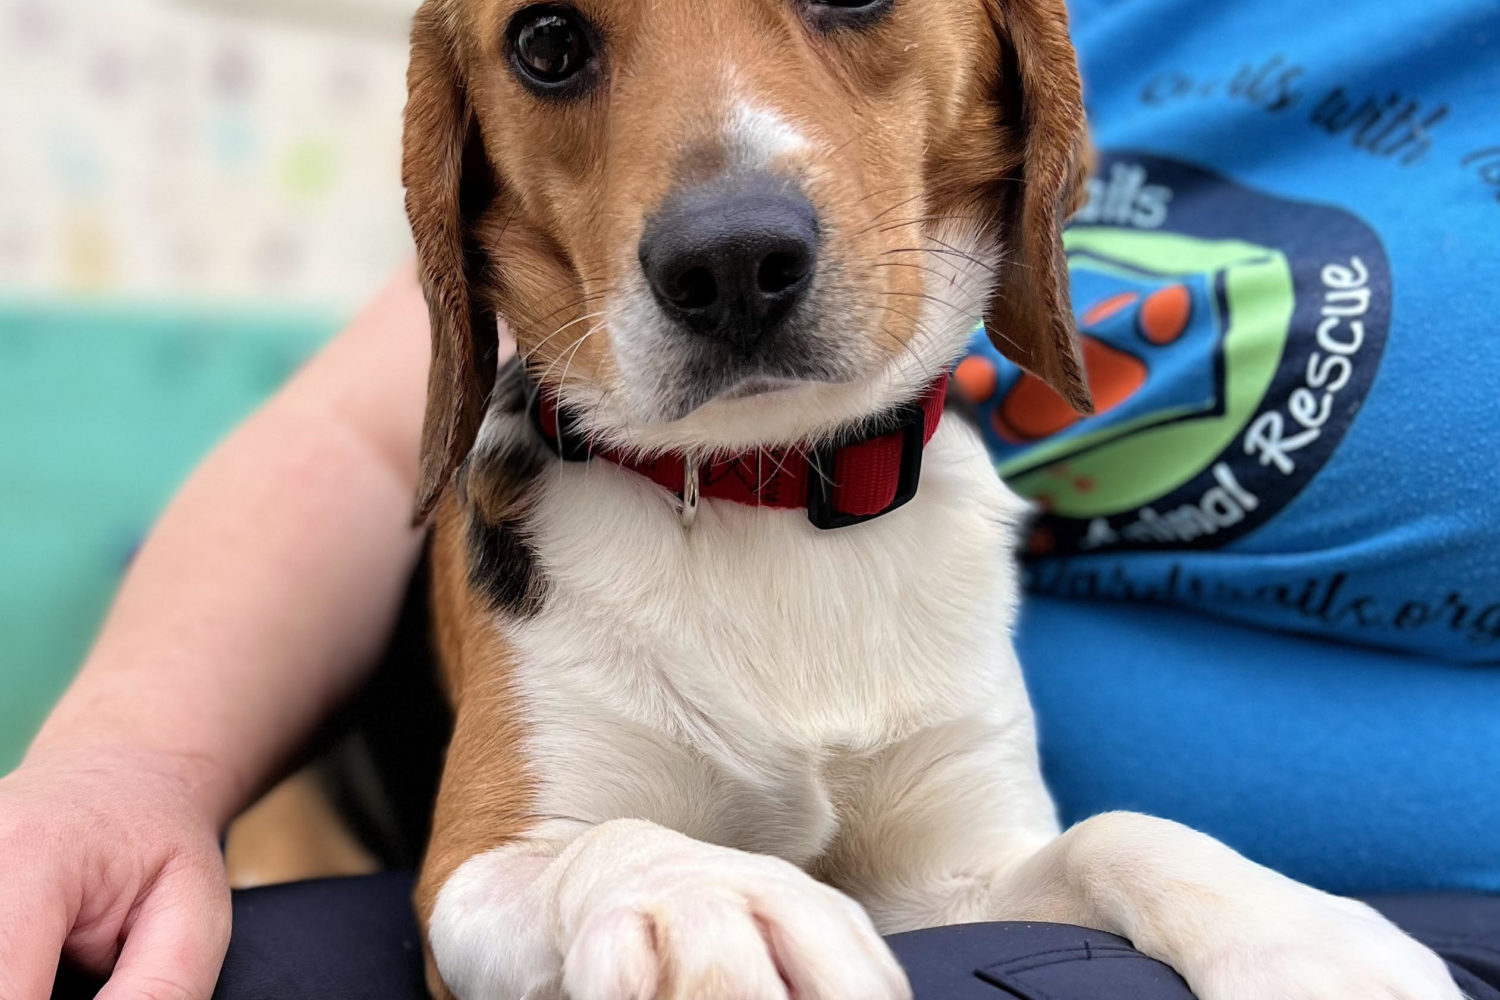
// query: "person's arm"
[[268, 586], [260, 600]]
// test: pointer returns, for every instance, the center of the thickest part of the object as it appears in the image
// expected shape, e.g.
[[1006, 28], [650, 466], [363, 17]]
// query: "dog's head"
[[728, 223]]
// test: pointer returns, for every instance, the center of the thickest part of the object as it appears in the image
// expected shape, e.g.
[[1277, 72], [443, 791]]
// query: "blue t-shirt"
[[1287, 275]]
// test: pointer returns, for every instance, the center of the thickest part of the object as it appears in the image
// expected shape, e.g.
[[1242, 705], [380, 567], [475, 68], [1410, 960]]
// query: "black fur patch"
[[496, 486], [511, 391], [503, 567]]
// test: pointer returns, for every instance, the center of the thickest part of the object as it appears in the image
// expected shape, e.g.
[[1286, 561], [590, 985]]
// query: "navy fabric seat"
[[355, 939]]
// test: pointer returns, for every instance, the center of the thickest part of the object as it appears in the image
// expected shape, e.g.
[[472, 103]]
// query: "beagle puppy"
[[723, 601]]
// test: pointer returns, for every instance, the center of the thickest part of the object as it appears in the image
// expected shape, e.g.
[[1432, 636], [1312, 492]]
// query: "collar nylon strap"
[[854, 478]]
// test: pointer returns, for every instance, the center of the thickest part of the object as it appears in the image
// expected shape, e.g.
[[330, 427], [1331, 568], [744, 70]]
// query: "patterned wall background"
[[222, 149]]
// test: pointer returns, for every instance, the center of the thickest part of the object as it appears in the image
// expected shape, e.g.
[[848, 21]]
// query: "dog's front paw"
[[716, 923], [1318, 947]]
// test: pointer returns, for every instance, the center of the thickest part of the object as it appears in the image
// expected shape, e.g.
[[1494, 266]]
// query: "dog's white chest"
[[725, 668]]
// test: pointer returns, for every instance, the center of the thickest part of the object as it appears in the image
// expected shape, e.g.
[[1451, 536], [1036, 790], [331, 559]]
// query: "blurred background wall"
[[193, 195]]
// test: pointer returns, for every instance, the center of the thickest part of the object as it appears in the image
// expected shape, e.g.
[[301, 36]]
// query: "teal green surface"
[[104, 409]]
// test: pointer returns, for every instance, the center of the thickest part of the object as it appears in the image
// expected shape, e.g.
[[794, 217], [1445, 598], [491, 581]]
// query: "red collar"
[[855, 478]]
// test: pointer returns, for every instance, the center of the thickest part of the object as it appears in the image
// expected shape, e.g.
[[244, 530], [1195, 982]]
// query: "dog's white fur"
[[756, 137], [718, 715]]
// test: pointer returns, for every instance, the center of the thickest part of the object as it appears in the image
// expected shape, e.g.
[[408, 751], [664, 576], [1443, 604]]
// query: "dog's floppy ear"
[[1031, 318], [447, 179]]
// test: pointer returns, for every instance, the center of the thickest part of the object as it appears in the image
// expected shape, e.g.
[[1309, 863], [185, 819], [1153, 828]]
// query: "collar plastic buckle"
[[823, 466]]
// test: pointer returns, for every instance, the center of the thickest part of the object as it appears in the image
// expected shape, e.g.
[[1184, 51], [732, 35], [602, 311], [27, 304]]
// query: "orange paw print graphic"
[[1029, 411]]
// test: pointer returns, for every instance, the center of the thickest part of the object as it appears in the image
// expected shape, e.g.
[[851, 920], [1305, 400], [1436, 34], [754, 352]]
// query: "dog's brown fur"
[[485, 797]]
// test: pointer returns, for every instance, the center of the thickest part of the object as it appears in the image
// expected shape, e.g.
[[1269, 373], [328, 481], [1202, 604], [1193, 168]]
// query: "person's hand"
[[105, 857]]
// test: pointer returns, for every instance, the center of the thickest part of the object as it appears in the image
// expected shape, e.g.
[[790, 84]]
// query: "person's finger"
[[176, 945], [33, 927]]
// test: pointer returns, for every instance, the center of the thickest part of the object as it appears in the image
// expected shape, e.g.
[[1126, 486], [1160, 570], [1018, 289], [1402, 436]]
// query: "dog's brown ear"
[[447, 177], [1031, 318]]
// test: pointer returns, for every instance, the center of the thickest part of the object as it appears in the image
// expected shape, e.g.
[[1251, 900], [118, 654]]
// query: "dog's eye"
[[550, 46], [829, 14]]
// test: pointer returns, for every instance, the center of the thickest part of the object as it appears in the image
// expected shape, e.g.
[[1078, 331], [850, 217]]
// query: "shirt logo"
[[1229, 337]]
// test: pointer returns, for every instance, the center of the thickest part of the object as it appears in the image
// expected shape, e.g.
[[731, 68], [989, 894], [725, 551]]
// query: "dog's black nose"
[[730, 262]]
